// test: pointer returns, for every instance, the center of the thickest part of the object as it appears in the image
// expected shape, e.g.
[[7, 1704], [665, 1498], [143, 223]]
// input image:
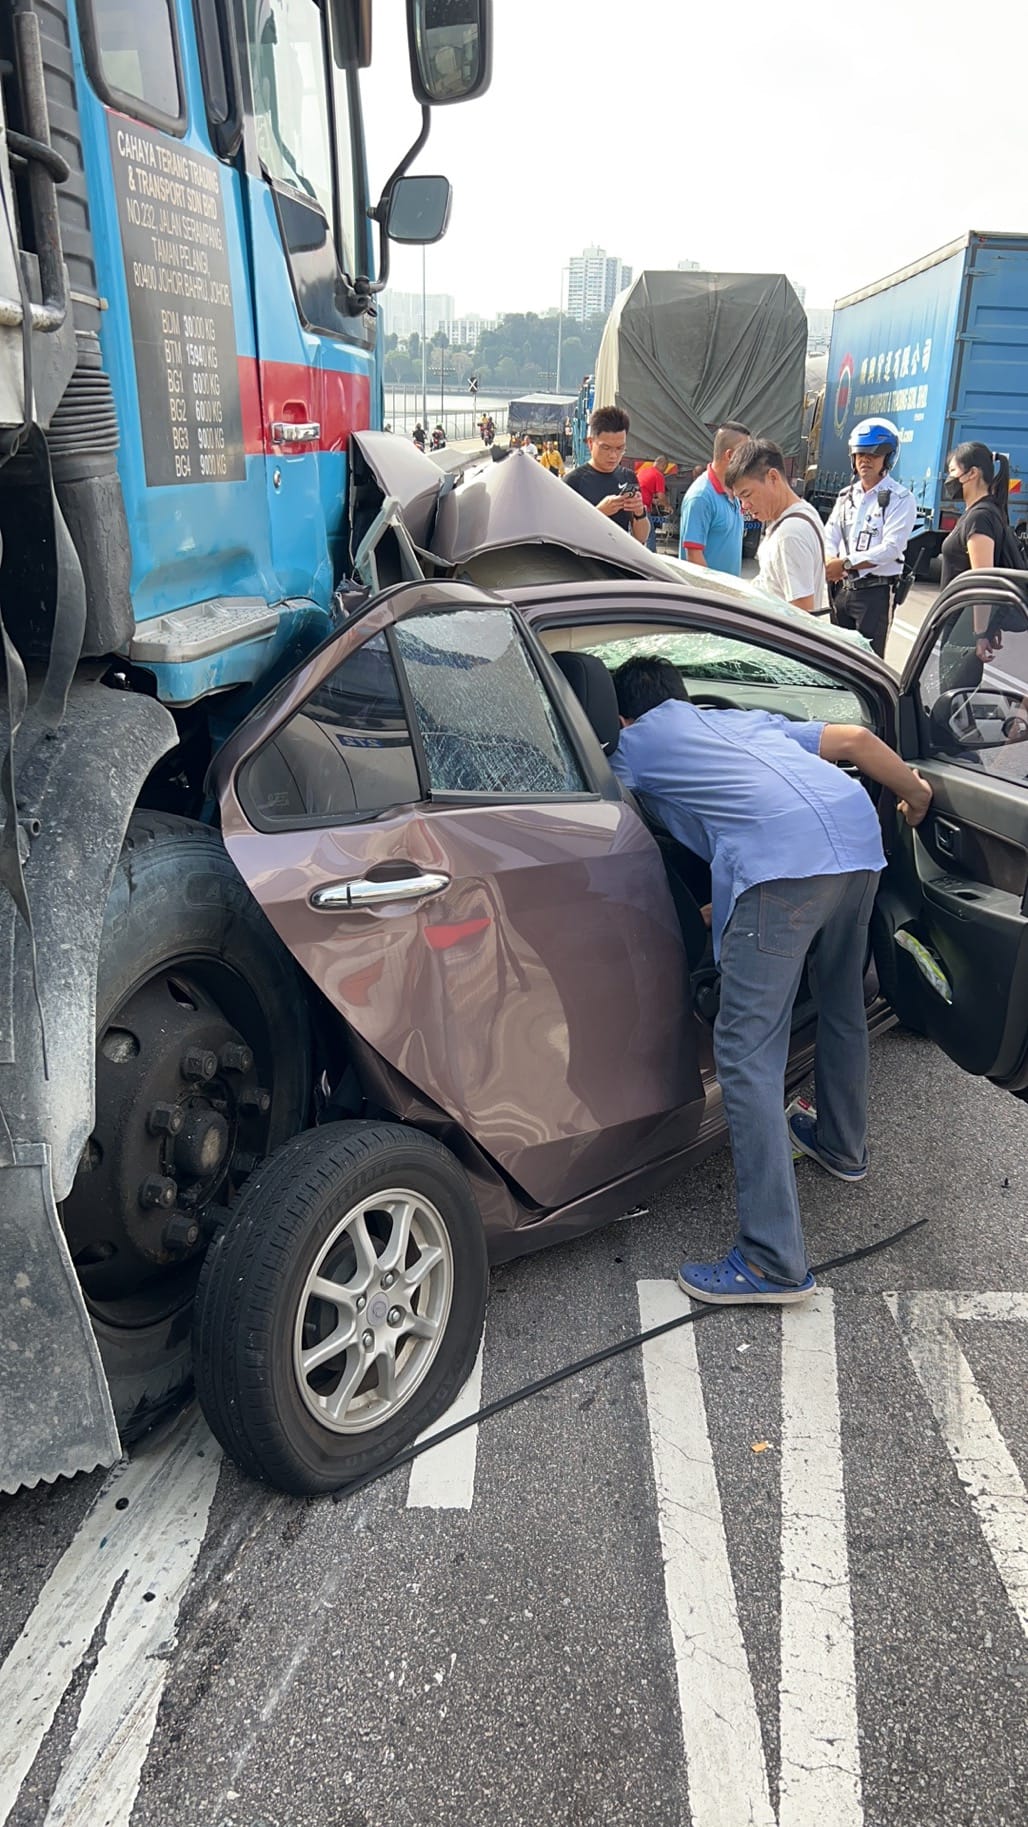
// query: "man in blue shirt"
[[711, 527], [795, 851]]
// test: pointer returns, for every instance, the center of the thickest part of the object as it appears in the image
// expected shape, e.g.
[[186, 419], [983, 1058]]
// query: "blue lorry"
[[941, 349], [190, 257]]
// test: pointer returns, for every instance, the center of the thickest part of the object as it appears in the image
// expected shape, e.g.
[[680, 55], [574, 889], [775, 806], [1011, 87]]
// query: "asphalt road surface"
[[772, 1570]]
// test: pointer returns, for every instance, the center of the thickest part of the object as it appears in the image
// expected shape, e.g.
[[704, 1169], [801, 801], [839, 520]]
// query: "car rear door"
[[951, 921], [446, 854]]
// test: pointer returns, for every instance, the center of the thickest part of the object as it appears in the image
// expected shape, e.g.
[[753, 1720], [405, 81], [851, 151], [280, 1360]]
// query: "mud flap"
[[51, 1378], [77, 788]]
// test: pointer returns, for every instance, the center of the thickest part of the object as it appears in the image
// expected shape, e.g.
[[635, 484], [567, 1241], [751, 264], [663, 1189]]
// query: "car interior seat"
[[593, 686]]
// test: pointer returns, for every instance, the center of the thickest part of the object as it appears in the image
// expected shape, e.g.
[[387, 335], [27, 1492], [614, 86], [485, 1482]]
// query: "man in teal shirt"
[[711, 527]]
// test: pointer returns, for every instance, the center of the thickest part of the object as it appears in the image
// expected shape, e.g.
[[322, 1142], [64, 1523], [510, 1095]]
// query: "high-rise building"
[[594, 280], [819, 329], [400, 312], [464, 332], [688, 266]]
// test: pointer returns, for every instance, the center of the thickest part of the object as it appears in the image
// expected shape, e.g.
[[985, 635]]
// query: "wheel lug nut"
[[181, 1232], [158, 1189], [234, 1058], [255, 1098], [198, 1062], [165, 1119], [388, 1279], [361, 1302], [368, 1340], [395, 1315]]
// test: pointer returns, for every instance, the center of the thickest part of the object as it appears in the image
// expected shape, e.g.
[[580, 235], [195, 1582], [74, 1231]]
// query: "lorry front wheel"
[[202, 1067]]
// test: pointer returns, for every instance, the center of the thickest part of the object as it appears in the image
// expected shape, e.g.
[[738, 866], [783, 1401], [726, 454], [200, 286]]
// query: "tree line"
[[519, 353]]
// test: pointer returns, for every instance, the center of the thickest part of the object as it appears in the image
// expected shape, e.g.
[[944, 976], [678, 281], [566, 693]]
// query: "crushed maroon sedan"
[[506, 983]]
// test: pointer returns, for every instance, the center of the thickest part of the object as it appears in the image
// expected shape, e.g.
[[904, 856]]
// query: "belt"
[[869, 583]]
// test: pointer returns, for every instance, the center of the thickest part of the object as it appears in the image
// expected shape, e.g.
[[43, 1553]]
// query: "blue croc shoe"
[[732, 1283], [802, 1120]]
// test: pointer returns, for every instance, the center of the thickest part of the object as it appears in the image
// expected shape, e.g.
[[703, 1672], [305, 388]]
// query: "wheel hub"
[[180, 1116], [373, 1311]]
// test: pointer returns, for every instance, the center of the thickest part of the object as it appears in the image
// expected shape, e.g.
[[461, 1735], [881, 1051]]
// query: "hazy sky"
[[732, 134]]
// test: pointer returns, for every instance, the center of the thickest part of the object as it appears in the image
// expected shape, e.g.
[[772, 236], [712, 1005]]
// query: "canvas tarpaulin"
[[682, 352]]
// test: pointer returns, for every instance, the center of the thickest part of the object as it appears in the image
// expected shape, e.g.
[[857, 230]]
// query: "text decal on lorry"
[[180, 301]]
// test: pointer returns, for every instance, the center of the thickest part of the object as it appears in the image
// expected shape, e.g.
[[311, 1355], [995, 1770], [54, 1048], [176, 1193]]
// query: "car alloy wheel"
[[373, 1310]]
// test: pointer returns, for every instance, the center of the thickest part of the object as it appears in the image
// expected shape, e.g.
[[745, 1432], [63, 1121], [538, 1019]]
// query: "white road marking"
[[983, 1462], [820, 1772], [907, 629], [721, 1730], [149, 1544], [820, 1777], [445, 1478]]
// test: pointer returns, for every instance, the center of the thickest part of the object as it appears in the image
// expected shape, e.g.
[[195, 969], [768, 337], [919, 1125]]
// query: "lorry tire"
[[202, 1066], [310, 1393]]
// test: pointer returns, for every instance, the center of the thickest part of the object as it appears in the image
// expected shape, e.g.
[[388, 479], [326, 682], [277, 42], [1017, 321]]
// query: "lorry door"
[[456, 869], [308, 227], [951, 919], [169, 229]]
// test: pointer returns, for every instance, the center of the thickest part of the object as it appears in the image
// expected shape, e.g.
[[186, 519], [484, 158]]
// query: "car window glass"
[[290, 83], [744, 676], [486, 723], [136, 52], [973, 689], [346, 754]]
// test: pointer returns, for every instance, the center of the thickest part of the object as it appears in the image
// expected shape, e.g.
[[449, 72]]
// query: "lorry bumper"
[[77, 790]]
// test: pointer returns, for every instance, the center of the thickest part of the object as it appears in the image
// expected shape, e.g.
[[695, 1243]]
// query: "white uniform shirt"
[[791, 556], [868, 532]]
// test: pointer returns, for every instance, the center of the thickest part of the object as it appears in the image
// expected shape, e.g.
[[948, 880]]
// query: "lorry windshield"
[[294, 98]]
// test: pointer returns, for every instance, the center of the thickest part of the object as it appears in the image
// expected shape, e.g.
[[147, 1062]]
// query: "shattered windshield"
[[714, 656]]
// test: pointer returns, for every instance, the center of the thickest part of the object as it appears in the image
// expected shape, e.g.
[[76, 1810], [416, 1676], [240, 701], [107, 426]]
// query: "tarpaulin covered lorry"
[[681, 352], [941, 349], [541, 415]]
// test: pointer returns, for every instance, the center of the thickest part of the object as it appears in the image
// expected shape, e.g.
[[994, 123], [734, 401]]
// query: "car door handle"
[[947, 836], [291, 431], [341, 897]]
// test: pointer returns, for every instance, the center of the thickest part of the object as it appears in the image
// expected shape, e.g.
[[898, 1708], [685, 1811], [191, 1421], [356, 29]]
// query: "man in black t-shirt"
[[603, 481]]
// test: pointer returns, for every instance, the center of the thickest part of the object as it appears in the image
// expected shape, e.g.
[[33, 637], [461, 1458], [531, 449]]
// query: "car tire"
[[258, 1317], [177, 903]]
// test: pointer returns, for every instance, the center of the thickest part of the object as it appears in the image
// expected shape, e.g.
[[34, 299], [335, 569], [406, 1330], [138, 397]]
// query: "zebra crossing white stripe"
[[720, 1727], [150, 1543], [445, 1478], [982, 1459], [820, 1774]]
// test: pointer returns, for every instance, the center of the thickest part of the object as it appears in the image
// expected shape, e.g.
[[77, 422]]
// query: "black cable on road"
[[595, 1357]]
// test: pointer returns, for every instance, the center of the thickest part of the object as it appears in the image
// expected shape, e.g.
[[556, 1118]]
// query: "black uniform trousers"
[[864, 603]]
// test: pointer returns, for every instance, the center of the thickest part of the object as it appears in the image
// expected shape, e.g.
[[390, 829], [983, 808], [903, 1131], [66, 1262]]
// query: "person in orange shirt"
[[651, 479]]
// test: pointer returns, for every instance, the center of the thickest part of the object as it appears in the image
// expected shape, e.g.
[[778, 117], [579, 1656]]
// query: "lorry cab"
[[187, 344]]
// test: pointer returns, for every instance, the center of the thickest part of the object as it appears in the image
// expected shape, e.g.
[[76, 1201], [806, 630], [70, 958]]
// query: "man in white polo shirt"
[[791, 556]]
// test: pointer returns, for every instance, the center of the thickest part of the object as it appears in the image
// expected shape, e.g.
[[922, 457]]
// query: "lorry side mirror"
[[418, 210], [450, 45]]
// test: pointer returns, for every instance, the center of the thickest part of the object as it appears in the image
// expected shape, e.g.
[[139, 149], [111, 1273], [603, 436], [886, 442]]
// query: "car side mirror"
[[450, 44], [418, 210], [978, 718]]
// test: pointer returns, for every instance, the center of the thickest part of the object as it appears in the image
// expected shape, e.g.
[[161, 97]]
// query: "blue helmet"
[[875, 435]]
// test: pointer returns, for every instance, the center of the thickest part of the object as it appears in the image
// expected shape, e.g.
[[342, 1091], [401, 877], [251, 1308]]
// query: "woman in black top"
[[980, 479]]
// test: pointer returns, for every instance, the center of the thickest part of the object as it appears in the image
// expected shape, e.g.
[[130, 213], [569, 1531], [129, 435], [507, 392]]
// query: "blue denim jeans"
[[774, 929]]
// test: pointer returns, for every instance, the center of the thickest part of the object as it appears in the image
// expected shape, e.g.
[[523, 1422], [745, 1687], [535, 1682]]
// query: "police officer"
[[867, 534]]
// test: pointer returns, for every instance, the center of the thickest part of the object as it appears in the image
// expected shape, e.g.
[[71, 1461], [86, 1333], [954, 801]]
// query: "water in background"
[[402, 410]]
